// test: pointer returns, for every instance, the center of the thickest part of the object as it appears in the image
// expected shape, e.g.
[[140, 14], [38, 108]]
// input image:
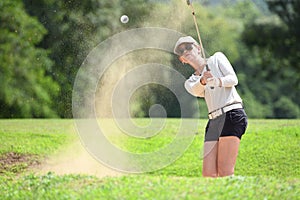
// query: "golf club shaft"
[[189, 3], [198, 32], [197, 29]]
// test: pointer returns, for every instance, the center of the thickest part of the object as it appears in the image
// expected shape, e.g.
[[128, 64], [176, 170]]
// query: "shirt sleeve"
[[194, 87], [229, 78]]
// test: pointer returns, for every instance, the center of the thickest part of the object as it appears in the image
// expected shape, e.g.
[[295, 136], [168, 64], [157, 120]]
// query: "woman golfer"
[[227, 118]]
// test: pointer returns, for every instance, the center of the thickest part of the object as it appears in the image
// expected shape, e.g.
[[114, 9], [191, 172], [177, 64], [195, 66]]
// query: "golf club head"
[[188, 2]]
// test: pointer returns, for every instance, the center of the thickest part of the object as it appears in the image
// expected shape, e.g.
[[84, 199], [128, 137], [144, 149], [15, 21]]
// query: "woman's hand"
[[206, 75]]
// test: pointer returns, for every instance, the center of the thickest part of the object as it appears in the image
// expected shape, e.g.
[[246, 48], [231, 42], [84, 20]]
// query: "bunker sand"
[[76, 160]]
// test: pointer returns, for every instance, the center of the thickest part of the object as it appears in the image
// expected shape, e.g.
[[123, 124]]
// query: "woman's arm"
[[194, 87], [229, 79]]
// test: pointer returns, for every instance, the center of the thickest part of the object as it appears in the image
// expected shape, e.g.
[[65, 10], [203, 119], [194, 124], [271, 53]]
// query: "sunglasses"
[[180, 50]]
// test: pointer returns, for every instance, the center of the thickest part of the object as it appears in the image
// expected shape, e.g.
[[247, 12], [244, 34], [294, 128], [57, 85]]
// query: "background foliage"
[[44, 42], [25, 88]]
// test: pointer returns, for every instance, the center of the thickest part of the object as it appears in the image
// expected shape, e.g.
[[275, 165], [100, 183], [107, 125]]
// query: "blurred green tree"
[[25, 89], [74, 28], [285, 108], [274, 43]]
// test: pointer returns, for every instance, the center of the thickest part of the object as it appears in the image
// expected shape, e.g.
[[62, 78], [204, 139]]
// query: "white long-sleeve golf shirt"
[[217, 97]]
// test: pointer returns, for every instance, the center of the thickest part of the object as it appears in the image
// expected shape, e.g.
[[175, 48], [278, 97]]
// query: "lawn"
[[267, 166]]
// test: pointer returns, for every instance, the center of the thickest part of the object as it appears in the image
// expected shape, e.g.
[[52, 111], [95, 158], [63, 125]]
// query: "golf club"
[[189, 3]]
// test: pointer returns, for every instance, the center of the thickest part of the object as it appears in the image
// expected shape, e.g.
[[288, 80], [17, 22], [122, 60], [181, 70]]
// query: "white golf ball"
[[124, 19]]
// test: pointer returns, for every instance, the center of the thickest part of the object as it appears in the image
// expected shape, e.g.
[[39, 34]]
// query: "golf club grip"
[[207, 69]]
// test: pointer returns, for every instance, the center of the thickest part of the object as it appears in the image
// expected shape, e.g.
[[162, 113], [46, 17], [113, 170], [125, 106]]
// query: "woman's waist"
[[222, 110]]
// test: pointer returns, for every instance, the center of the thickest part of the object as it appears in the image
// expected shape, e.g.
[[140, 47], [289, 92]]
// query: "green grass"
[[38, 137], [50, 186], [267, 166], [270, 148], [31, 141]]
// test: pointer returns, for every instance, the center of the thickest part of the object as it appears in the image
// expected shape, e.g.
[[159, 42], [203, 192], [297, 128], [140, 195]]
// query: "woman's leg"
[[210, 159], [227, 153]]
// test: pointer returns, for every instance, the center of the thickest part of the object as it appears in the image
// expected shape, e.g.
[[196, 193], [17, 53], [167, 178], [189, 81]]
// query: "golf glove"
[[213, 82]]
